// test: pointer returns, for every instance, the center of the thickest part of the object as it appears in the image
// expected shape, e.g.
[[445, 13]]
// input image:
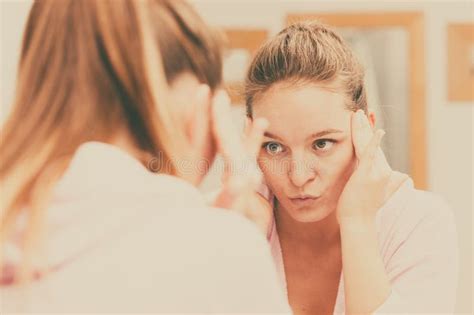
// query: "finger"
[[226, 136], [382, 159], [361, 132], [253, 143], [372, 148], [255, 176], [247, 126], [254, 137]]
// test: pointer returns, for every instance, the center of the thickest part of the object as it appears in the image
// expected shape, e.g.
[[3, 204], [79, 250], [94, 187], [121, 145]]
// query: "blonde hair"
[[306, 52], [88, 68]]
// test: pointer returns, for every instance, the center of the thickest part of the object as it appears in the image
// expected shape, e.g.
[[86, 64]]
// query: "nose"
[[302, 170]]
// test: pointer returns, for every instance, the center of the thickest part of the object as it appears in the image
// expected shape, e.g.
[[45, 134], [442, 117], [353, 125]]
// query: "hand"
[[241, 175], [367, 188]]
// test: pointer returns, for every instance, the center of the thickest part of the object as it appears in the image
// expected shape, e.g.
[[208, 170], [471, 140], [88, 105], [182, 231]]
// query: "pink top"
[[418, 244], [124, 240]]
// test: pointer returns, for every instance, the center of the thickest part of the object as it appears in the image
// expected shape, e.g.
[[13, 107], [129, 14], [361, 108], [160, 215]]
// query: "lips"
[[304, 200]]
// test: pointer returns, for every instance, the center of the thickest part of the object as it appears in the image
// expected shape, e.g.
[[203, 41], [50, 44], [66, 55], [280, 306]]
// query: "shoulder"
[[223, 229], [418, 244], [200, 232], [416, 222], [410, 207], [199, 255], [426, 209], [206, 256]]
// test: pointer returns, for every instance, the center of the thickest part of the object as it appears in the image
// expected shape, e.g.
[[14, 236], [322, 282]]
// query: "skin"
[[295, 161], [317, 149]]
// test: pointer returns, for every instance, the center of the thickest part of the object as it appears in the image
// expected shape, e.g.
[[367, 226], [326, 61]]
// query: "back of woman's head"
[[306, 52], [88, 69]]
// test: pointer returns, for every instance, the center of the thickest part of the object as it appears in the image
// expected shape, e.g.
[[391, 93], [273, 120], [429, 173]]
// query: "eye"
[[273, 148], [323, 144]]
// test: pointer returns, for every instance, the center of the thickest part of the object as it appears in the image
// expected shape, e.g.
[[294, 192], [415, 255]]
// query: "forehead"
[[297, 111]]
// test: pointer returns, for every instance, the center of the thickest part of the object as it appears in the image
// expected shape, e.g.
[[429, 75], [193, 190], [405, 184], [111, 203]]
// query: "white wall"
[[450, 136]]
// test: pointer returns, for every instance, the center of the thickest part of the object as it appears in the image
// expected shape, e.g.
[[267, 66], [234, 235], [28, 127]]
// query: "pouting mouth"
[[303, 197]]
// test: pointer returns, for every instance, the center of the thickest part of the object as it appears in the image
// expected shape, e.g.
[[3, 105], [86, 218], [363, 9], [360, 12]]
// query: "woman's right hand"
[[241, 177]]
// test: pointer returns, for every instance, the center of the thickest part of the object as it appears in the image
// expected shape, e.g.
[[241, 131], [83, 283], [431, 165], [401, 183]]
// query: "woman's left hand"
[[241, 175], [367, 188]]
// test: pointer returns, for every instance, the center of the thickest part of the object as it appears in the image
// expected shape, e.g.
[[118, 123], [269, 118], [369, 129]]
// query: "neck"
[[320, 234]]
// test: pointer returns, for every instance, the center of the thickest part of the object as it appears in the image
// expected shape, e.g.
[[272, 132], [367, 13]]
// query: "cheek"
[[274, 172], [338, 166]]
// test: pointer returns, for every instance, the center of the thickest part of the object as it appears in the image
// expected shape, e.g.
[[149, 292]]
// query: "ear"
[[372, 119]]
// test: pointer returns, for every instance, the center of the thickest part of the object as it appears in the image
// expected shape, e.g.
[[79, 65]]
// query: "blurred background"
[[419, 61]]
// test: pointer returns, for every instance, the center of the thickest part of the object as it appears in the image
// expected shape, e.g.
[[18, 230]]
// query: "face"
[[307, 155], [191, 101]]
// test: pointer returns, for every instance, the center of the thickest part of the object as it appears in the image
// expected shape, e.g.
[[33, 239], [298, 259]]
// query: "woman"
[[349, 234], [100, 158]]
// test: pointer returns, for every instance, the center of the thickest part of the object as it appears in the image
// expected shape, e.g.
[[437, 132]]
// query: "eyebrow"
[[269, 135], [324, 133], [314, 135]]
